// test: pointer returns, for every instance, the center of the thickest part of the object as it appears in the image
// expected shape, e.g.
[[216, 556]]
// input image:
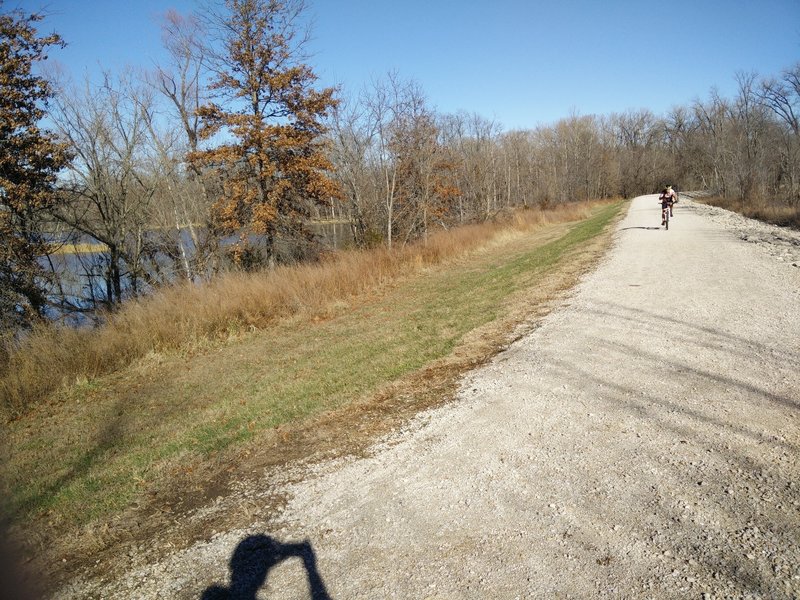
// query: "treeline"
[[222, 157]]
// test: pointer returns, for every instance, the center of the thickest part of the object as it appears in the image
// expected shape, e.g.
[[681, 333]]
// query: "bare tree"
[[782, 97], [637, 136], [352, 136], [180, 82], [183, 197], [424, 182], [517, 159], [387, 103], [748, 128], [109, 192], [474, 140]]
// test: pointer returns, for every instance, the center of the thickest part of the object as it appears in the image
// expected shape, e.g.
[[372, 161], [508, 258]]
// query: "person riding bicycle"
[[667, 198]]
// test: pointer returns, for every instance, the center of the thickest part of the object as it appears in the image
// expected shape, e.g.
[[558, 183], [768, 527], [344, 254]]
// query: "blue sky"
[[519, 63]]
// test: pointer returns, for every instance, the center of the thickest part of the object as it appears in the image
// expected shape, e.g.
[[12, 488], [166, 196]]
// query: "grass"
[[88, 450], [81, 248], [186, 316]]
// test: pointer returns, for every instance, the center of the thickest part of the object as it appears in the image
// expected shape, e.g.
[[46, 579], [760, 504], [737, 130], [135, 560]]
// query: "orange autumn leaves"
[[30, 159], [270, 159], [272, 163]]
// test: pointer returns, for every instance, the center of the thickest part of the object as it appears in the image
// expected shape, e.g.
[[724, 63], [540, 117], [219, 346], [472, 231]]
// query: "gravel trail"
[[642, 442]]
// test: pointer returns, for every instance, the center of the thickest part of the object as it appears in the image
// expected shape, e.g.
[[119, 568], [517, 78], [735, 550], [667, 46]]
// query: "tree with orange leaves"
[[30, 159], [268, 118]]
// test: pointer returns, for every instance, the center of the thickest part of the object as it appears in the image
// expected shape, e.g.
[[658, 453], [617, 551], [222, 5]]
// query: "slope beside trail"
[[642, 442]]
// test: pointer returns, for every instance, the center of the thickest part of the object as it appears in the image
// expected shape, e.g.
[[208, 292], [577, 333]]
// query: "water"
[[333, 235], [82, 274]]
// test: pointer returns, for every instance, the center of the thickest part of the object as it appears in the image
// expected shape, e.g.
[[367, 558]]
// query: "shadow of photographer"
[[251, 562]]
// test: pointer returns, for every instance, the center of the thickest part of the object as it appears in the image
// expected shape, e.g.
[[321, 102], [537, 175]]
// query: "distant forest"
[[221, 158]]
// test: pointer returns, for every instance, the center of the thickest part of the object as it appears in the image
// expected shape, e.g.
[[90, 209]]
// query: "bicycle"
[[667, 198]]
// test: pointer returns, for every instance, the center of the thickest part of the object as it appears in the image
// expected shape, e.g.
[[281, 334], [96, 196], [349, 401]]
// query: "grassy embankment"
[[196, 373], [783, 214]]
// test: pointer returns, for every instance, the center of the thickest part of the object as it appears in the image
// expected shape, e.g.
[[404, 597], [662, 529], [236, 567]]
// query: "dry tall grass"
[[184, 316], [776, 213]]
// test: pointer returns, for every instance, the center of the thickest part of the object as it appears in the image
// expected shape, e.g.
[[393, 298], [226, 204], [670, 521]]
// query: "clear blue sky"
[[521, 63]]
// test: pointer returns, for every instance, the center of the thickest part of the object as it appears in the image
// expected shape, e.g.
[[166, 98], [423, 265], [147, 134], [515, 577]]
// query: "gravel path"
[[642, 442]]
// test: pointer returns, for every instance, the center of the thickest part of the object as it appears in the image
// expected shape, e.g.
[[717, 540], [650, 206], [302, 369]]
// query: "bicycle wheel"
[[666, 219]]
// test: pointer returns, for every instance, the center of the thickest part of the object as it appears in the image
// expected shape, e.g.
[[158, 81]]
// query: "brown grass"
[[190, 316], [783, 214]]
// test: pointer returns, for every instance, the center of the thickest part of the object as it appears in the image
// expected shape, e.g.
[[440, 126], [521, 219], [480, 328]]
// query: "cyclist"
[[667, 198]]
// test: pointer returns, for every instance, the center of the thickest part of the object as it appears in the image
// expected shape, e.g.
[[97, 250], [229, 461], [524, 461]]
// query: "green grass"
[[108, 439]]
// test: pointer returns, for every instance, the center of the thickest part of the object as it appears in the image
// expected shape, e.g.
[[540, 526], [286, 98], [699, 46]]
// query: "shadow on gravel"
[[647, 228], [708, 337], [726, 511], [251, 562], [728, 521]]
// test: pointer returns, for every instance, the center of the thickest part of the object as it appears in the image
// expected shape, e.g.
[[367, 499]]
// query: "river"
[[81, 266]]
